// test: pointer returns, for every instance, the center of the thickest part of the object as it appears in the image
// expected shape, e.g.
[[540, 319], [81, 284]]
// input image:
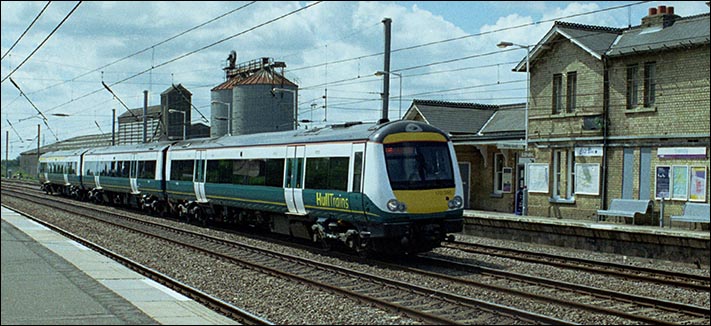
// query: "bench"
[[693, 213], [626, 208]]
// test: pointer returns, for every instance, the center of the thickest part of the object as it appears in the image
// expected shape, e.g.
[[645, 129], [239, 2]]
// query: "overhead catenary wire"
[[191, 103], [468, 36], [41, 44], [408, 76], [442, 41], [190, 53], [157, 44], [44, 118], [27, 29], [15, 130], [119, 99]]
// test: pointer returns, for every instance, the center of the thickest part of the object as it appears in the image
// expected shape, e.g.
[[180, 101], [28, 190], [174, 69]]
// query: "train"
[[389, 187]]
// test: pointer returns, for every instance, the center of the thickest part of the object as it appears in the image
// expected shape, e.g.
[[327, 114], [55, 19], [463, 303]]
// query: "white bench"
[[626, 208], [693, 213]]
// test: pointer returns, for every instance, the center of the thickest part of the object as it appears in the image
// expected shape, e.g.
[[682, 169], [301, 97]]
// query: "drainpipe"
[[605, 125]]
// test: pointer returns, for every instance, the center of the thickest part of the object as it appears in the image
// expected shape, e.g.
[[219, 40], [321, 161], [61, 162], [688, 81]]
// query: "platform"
[[676, 244], [49, 279]]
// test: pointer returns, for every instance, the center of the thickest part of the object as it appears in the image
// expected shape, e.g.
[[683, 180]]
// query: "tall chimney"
[[661, 16]]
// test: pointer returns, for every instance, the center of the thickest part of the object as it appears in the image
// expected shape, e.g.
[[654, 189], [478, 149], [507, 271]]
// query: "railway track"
[[417, 302], [644, 274], [599, 301], [420, 299], [236, 313]]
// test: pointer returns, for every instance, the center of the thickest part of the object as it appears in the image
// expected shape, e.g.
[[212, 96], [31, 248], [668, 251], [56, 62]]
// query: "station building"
[[613, 113]]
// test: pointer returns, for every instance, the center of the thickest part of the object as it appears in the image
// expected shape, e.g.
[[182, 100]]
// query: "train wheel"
[[322, 242], [196, 215]]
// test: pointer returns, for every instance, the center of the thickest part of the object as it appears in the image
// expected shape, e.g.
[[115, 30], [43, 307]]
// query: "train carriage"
[[60, 172], [127, 174], [390, 187]]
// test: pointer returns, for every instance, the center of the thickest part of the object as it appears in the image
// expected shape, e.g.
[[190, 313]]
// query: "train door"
[[293, 179], [97, 175], [355, 187], [66, 172], [199, 177], [133, 175]]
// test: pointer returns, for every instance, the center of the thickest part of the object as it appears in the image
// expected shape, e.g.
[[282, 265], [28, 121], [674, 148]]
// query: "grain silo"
[[247, 100]]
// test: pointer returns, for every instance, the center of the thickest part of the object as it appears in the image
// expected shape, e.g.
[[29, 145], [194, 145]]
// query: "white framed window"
[[564, 173], [498, 173]]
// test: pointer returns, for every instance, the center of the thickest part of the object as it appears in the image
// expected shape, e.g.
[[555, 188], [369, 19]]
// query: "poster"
[[587, 178], [680, 182], [662, 181], [697, 189], [538, 177], [507, 180]]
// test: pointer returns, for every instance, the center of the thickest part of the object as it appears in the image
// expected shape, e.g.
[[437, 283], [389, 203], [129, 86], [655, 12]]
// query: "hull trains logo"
[[330, 200]]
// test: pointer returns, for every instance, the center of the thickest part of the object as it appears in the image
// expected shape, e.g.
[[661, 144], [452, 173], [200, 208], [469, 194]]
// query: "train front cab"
[[413, 183]]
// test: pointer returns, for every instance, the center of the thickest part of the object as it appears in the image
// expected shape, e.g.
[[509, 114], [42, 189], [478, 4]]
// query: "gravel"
[[285, 302]]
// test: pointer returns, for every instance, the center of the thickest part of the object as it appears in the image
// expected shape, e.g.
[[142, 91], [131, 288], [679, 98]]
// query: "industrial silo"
[[220, 101], [264, 102], [258, 98]]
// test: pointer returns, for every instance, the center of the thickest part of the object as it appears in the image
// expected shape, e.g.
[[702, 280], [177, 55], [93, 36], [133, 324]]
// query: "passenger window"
[[357, 170]]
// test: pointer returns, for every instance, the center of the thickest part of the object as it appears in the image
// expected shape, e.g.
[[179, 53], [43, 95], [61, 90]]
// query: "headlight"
[[456, 202], [395, 206], [392, 205]]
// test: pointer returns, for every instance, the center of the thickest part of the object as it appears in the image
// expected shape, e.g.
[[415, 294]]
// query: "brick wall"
[[682, 95], [563, 58], [679, 118], [481, 183]]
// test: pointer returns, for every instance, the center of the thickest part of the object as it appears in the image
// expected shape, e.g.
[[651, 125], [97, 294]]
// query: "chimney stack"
[[661, 16]]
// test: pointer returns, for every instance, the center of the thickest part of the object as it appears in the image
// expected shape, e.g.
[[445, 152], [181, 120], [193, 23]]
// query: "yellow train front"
[[407, 194]]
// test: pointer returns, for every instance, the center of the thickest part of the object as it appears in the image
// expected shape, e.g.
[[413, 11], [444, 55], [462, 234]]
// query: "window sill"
[[564, 115], [558, 200], [641, 109], [496, 195]]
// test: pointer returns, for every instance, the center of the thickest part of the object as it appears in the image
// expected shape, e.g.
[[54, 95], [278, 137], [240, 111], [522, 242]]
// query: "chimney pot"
[[662, 9], [652, 11], [670, 10]]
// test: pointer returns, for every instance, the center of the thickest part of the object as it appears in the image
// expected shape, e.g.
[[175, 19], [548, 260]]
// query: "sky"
[[440, 50]]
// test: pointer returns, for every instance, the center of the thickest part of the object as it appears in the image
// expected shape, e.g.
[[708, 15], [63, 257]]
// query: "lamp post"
[[528, 78], [382, 73], [185, 116], [503, 44], [293, 95], [229, 116]]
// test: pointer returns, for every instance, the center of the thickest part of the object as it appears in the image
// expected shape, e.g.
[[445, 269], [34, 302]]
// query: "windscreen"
[[419, 165]]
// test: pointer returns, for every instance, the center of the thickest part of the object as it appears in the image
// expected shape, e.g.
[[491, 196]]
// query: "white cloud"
[[101, 32]]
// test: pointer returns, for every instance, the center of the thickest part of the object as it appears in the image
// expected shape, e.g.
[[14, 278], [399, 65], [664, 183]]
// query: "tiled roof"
[[470, 118], [179, 87], [506, 121], [596, 39], [87, 141], [684, 32], [152, 110], [261, 77]]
